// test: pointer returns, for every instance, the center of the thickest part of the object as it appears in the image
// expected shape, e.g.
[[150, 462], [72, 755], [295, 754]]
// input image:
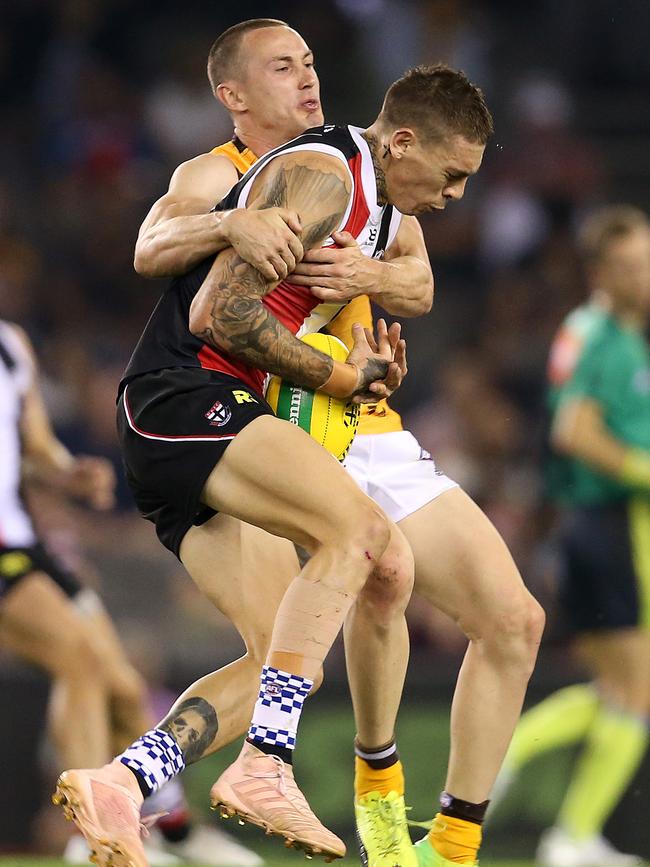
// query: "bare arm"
[[181, 229], [47, 460], [228, 313], [580, 432], [406, 284], [401, 283]]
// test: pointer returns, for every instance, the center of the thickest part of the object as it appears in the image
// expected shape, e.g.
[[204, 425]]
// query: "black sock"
[[459, 809], [283, 753], [144, 788]]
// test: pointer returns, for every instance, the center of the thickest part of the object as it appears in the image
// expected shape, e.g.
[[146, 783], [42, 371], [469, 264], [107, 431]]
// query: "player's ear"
[[400, 141], [230, 96]]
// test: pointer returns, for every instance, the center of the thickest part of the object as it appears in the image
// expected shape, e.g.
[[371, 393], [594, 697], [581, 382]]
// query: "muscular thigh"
[[462, 564], [243, 570], [40, 624], [275, 476]]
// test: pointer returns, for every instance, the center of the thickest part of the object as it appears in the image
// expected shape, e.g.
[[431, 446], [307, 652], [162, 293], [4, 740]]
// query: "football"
[[332, 422]]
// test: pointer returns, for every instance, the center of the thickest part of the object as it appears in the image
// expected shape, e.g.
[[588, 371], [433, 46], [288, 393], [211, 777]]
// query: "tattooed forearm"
[[193, 724], [228, 313], [235, 320]]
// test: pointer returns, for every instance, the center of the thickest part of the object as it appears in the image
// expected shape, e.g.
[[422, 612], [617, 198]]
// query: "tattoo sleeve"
[[193, 724], [229, 305]]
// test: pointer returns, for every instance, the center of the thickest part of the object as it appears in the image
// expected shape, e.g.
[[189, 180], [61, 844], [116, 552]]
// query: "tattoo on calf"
[[193, 724]]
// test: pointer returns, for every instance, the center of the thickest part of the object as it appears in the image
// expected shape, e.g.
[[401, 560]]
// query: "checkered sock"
[[277, 711], [154, 758]]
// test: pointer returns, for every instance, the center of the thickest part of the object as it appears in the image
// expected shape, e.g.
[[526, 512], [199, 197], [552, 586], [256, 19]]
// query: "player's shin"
[[615, 746], [306, 625], [377, 650], [259, 787]]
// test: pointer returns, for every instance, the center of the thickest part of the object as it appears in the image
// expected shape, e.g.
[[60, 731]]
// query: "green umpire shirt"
[[597, 357]]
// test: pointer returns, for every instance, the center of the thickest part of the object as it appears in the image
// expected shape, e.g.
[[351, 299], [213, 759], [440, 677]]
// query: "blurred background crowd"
[[101, 99]]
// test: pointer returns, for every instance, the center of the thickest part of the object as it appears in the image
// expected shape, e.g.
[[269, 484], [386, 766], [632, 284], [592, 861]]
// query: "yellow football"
[[330, 421]]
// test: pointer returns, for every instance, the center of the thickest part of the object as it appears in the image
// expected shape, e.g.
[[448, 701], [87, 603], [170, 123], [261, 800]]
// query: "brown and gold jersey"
[[375, 418], [239, 155]]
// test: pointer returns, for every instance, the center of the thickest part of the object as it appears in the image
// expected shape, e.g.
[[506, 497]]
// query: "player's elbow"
[[425, 302], [419, 305], [199, 320], [144, 263], [204, 325]]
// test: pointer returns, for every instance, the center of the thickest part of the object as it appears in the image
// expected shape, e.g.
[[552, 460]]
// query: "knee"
[[128, 687], [623, 672], [513, 631], [364, 536], [388, 589], [77, 658]]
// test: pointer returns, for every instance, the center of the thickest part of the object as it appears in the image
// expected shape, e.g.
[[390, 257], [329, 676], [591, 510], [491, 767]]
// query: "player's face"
[[426, 178], [624, 270], [279, 82]]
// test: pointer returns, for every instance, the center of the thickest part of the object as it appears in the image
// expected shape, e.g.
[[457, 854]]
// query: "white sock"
[[155, 758], [278, 707]]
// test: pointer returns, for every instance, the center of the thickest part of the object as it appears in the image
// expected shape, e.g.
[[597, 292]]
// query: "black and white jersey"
[[16, 376]]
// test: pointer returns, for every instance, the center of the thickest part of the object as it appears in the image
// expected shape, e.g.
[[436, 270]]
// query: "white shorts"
[[396, 472]]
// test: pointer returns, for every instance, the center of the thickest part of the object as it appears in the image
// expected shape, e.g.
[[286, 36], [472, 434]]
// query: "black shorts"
[[174, 425], [605, 576], [17, 562]]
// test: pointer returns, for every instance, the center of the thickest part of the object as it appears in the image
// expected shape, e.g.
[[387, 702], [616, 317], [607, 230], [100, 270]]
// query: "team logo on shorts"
[[218, 414]]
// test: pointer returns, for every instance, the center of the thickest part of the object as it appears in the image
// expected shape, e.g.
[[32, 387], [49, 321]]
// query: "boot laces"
[[147, 822], [278, 772], [386, 826]]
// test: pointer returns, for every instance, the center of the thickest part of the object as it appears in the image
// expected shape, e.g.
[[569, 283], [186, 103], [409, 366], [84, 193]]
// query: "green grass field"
[[325, 766], [13, 861]]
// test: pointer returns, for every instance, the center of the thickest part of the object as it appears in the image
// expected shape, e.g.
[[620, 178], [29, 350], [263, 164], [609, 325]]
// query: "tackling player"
[[448, 533], [599, 475]]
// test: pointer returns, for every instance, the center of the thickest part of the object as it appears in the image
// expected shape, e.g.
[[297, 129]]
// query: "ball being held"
[[331, 421]]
